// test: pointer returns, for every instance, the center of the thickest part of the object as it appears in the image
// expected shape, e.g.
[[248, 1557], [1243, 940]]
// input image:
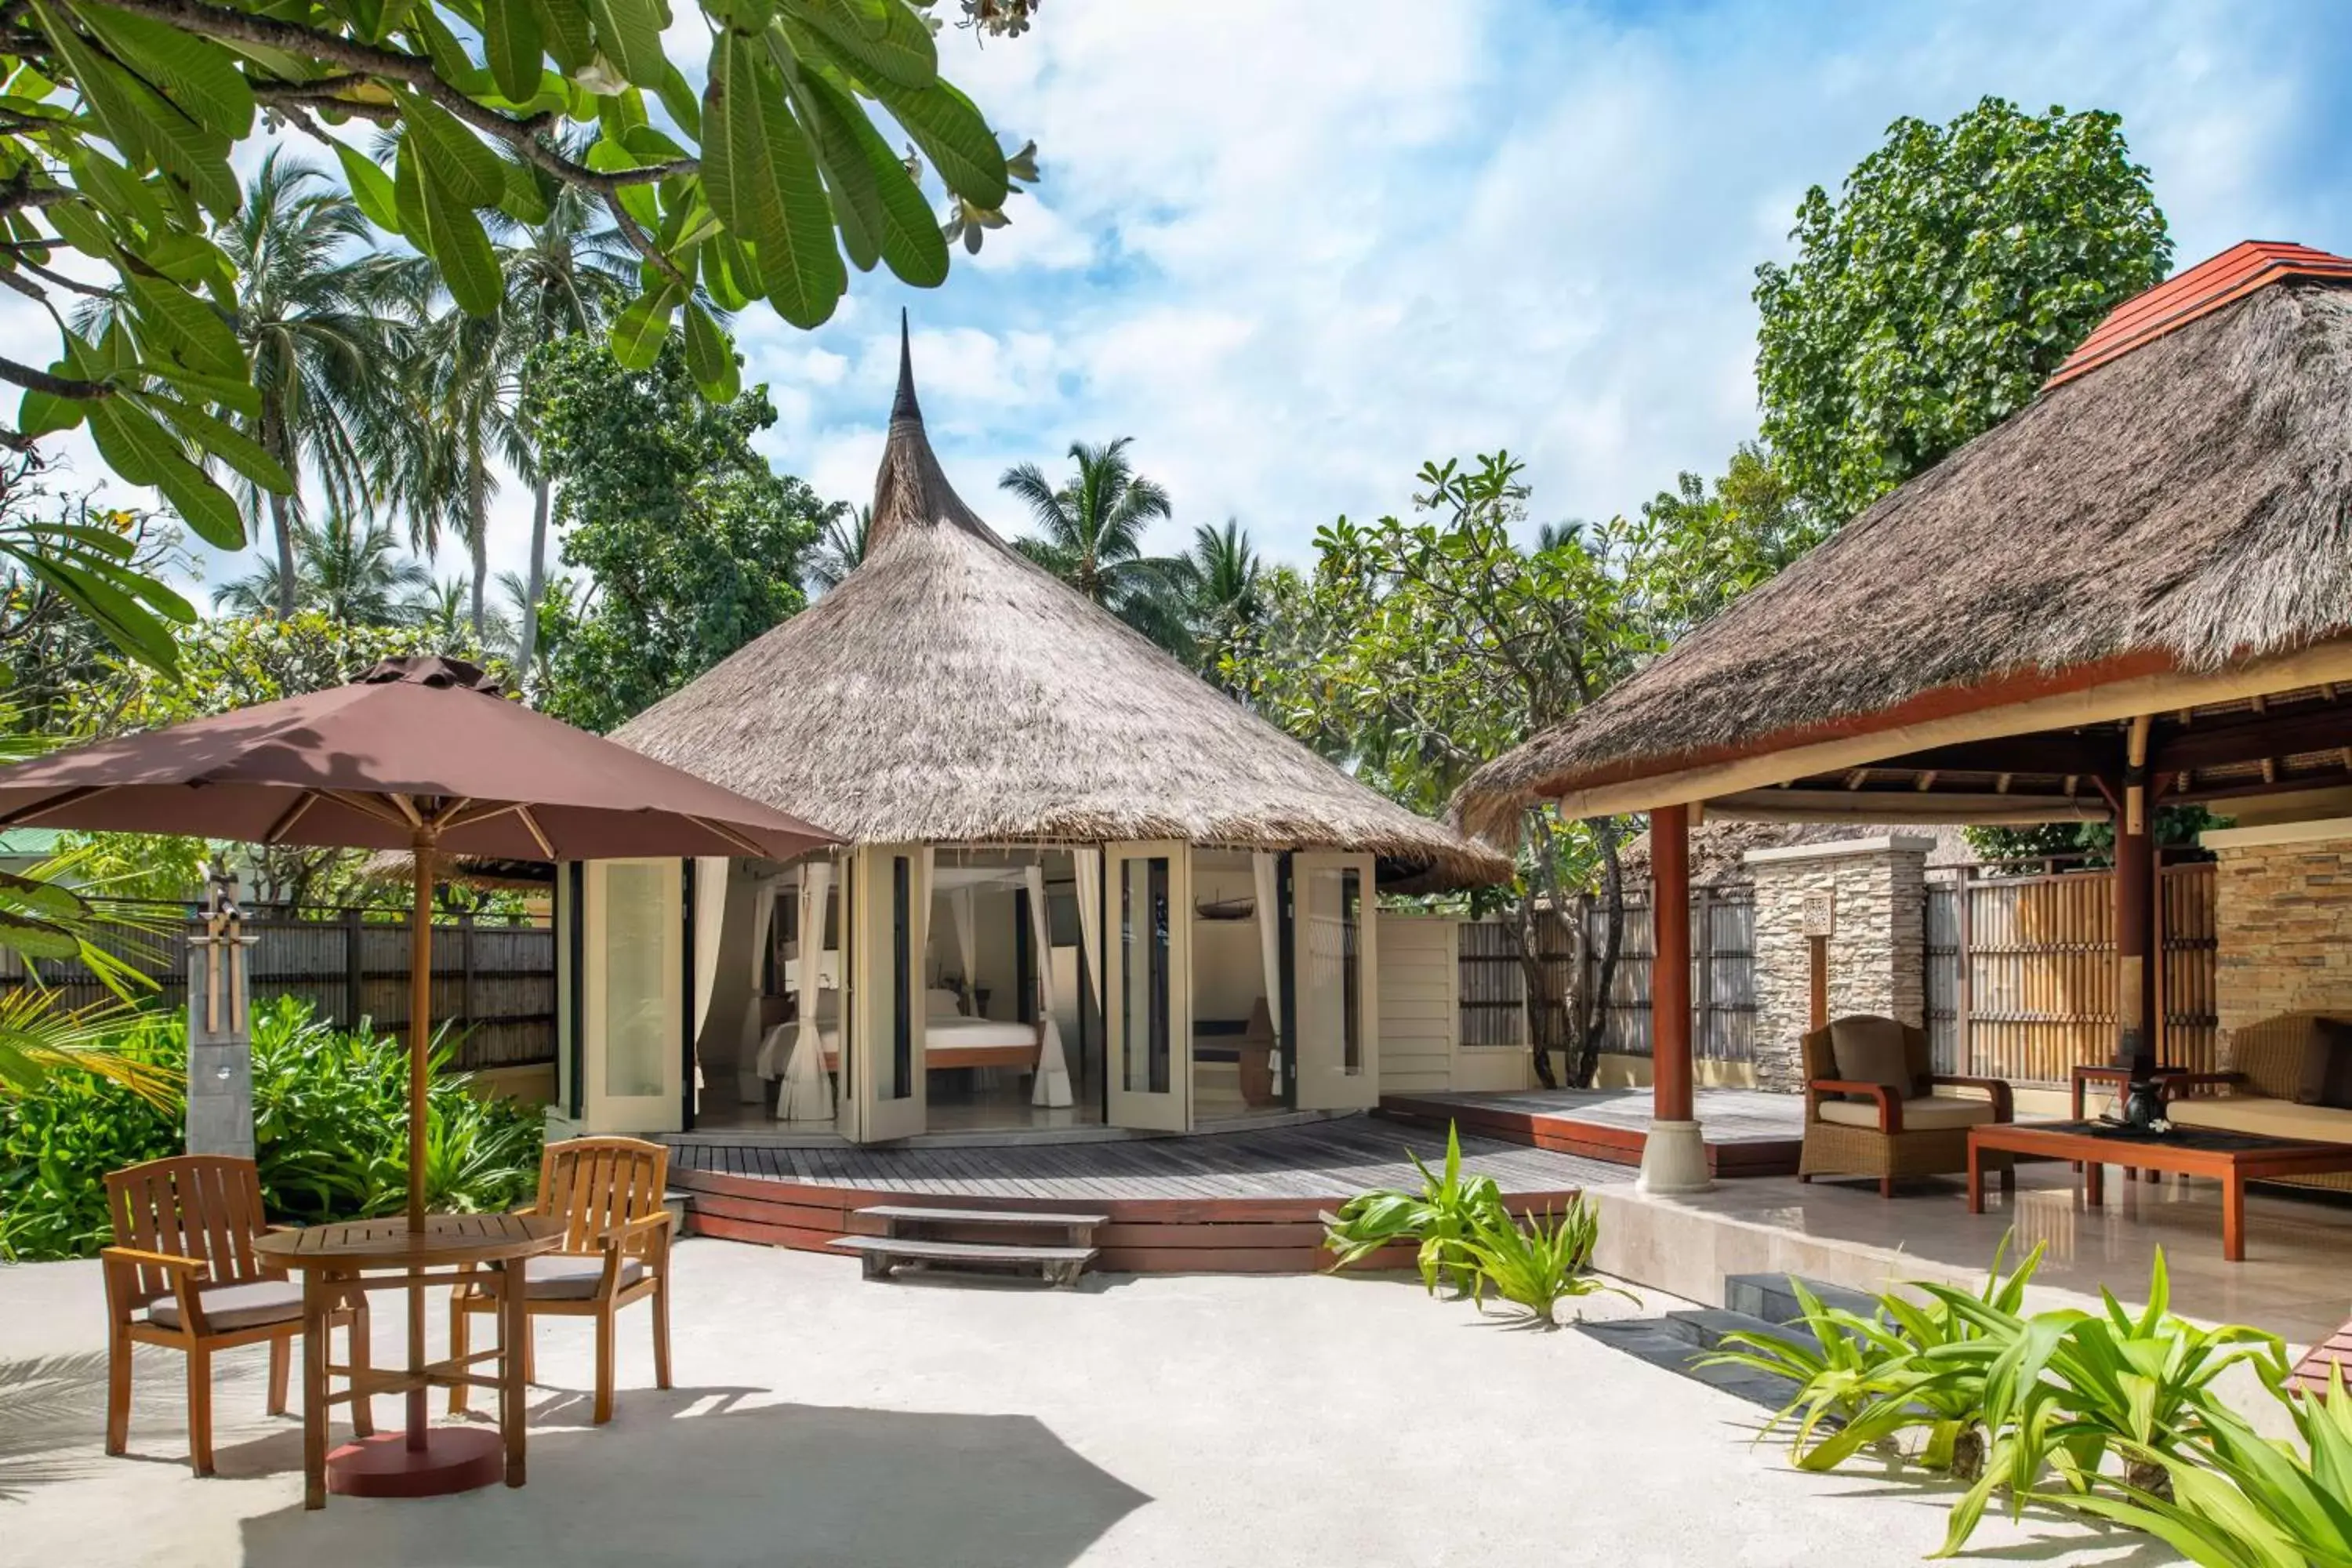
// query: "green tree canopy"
[[1958, 266], [122, 117], [693, 544], [1424, 646]]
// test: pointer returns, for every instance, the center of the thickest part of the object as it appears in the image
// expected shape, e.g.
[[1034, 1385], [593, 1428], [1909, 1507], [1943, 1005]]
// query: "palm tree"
[[441, 607], [1092, 538], [839, 551], [325, 354], [355, 573], [352, 572], [564, 276], [1222, 579], [464, 428], [467, 399]]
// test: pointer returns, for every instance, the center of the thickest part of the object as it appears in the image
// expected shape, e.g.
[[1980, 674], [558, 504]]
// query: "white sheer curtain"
[[754, 1061], [1053, 1088], [1087, 864], [806, 1094], [967, 942], [711, 879], [1266, 871]]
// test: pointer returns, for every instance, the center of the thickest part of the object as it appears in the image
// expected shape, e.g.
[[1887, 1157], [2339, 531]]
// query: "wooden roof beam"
[[2272, 735]]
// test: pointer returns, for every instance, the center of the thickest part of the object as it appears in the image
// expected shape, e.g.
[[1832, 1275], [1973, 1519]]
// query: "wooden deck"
[[1222, 1203], [1748, 1133]]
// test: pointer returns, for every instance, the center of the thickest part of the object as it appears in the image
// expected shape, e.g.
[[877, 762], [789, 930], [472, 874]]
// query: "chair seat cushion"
[[574, 1277], [228, 1306], [1932, 1113], [2263, 1117]]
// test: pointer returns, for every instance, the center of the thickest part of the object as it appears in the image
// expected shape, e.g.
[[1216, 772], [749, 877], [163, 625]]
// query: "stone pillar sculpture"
[[220, 1026]]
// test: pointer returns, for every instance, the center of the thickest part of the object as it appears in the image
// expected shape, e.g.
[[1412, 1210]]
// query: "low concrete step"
[[1705, 1327], [1767, 1296], [1060, 1265], [1669, 1343]]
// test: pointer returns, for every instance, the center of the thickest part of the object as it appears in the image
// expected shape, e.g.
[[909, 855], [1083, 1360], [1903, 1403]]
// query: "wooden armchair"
[[1894, 1135], [182, 1273], [608, 1191]]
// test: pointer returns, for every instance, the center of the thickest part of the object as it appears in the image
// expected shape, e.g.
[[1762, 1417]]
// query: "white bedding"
[[947, 1034], [961, 1031]]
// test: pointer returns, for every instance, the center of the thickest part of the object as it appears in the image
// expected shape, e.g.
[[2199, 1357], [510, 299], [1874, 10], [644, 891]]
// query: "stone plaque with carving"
[[1820, 914]]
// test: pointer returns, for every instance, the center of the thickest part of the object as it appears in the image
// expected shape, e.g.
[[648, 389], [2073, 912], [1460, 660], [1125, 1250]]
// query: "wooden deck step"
[[941, 1214], [1061, 1265]]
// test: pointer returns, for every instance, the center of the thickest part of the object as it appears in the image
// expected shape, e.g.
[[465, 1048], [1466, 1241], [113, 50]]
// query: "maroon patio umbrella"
[[422, 754]]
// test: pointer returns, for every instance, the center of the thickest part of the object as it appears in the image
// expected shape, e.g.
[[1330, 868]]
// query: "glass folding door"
[[890, 899], [1338, 1020], [1149, 996], [633, 997]]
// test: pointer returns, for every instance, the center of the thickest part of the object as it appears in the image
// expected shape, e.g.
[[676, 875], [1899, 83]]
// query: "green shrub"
[[2009, 1400], [331, 1134], [1863, 1381], [1538, 1264], [2239, 1501], [1441, 1218], [2070, 1388]]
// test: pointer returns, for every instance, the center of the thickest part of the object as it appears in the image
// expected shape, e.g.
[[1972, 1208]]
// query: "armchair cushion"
[[231, 1307], [574, 1277], [1926, 1114], [2263, 1117], [1875, 1050]]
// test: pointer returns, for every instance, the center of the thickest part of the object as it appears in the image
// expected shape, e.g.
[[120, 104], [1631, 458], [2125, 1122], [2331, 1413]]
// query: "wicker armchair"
[[1893, 1137], [2257, 1092]]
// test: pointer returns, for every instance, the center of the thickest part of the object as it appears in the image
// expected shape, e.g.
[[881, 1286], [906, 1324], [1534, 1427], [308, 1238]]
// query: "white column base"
[[1673, 1160]]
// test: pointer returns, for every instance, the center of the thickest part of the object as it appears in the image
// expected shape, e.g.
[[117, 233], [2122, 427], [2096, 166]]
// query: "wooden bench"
[[905, 1241]]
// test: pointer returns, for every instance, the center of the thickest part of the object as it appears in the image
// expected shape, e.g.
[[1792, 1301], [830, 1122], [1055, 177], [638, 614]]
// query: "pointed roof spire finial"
[[905, 406]]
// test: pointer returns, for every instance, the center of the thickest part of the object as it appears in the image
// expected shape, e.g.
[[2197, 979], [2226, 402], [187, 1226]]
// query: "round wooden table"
[[337, 1261]]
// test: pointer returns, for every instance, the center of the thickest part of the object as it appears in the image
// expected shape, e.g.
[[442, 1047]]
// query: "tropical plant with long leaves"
[[1538, 1262], [1907, 1366], [2070, 1388], [1440, 1220], [1091, 534], [45, 917], [2236, 1499]]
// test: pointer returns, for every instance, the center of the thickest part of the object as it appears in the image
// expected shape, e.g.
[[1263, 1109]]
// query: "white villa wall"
[[1418, 1011]]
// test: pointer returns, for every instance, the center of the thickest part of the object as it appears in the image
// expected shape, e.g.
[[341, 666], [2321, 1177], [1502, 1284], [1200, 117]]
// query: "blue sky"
[[1293, 247]]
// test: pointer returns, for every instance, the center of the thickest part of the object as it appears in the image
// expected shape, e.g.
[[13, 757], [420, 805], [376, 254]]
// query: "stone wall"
[[1877, 889], [2283, 907]]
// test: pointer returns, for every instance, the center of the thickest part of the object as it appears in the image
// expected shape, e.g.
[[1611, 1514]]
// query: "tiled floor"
[[1728, 1115], [2297, 1280]]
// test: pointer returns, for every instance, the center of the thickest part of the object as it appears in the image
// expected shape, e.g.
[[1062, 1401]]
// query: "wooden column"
[[2137, 917], [1670, 972]]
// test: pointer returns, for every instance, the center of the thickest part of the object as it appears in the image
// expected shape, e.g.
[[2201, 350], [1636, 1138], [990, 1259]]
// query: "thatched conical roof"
[[2184, 500], [949, 691]]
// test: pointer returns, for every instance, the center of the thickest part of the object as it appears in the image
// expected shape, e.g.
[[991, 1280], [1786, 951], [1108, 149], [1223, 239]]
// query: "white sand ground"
[[819, 1420]]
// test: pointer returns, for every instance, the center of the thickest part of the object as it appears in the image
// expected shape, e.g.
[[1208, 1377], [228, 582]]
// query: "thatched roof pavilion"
[[2165, 532], [2136, 589], [949, 691]]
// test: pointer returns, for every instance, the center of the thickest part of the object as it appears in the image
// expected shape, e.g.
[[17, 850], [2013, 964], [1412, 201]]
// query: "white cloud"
[[1326, 241]]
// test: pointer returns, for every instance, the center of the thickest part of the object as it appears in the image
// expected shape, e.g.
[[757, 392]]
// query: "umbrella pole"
[[420, 1055]]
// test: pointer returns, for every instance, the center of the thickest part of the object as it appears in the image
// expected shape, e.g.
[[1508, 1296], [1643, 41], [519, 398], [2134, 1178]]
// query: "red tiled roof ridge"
[[2199, 291]]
